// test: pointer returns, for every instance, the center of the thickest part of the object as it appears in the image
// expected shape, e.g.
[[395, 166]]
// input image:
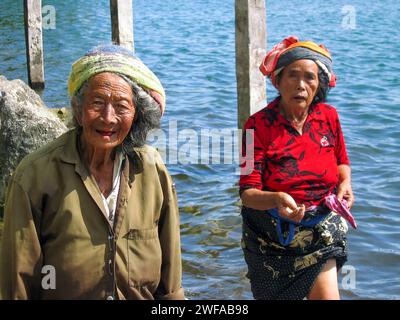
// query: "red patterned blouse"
[[304, 166]]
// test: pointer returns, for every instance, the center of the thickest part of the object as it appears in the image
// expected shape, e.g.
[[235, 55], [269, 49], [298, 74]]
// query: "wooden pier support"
[[34, 42], [122, 23], [251, 40]]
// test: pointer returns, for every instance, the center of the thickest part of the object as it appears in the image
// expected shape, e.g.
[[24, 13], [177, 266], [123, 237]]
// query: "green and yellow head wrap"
[[116, 59]]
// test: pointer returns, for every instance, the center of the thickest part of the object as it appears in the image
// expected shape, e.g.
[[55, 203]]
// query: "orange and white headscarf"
[[290, 50]]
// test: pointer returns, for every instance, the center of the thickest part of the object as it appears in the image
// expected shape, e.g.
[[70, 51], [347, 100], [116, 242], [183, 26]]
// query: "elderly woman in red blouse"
[[299, 189]]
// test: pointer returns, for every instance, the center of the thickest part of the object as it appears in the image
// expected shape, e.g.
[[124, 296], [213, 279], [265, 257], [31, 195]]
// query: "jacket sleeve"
[[20, 257], [170, 287]]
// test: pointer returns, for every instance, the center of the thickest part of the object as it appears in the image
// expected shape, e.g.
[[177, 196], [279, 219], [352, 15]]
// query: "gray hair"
[[147, 114]]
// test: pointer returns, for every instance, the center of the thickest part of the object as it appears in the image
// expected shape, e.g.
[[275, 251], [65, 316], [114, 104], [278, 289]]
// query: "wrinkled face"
[[299, 83], [107, 111]]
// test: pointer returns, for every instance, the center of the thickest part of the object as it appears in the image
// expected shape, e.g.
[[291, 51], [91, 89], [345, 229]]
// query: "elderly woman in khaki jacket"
[[93, 215]]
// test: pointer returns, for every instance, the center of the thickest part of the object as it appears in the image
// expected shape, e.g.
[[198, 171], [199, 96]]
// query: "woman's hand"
[[346, 192], [265, 200], [288, 208]]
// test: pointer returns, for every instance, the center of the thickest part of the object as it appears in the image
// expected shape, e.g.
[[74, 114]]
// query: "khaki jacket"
[[55, 221]]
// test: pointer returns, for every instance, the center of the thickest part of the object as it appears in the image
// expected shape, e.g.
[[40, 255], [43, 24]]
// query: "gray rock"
[[25, 125]]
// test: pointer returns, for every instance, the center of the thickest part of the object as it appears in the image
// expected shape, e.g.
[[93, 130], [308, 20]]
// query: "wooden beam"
[[251, 41], [34, 42], [122, 23]]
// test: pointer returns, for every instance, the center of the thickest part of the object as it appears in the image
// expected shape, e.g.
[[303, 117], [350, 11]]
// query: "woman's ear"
[[76, 112]]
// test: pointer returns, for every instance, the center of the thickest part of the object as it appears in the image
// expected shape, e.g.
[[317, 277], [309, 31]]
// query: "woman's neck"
[[295, 116], [95, 158]]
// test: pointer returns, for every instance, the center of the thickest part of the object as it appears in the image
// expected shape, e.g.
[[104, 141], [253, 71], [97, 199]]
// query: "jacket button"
[[110, 298]]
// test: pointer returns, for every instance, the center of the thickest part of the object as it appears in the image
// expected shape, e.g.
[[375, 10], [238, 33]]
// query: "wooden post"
[[122, 23], [34, 42], [251, 41]]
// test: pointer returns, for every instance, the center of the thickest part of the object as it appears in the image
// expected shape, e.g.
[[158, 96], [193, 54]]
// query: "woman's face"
[[107, 111], [299, 83]]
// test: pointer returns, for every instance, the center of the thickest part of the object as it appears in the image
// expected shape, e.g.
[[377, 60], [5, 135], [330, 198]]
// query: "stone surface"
[[25, 125], [65, 115]]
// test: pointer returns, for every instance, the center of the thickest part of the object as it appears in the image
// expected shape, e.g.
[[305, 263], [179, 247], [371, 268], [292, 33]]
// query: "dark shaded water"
[[190, 45]]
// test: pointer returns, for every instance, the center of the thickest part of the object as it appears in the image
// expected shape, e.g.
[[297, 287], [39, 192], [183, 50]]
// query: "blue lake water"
[[191, 47]]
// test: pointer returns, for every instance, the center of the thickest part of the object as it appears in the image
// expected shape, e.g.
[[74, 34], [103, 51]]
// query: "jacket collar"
[[71, 154]]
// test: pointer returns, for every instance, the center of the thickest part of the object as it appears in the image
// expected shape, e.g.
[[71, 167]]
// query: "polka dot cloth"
[[288, 273]]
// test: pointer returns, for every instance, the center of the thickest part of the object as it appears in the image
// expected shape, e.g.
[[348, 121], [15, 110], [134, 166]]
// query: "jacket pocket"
[[142, 234], [144, 258]]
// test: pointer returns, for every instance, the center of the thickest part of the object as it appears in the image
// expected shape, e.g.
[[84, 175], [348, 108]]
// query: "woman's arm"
[[344, 188], [170, 287], [265, 200], [253, 148], [21, 256]]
